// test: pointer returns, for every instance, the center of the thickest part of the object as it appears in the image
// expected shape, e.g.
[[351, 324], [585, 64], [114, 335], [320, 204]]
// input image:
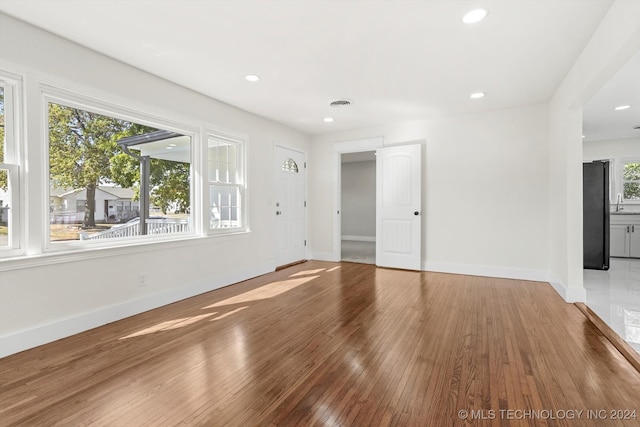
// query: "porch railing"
[[132, 229]]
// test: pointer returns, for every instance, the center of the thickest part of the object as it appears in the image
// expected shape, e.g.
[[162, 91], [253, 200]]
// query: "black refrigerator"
[[595, 223]]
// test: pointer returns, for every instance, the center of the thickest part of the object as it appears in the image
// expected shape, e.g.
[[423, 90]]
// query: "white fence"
[[132, 229]]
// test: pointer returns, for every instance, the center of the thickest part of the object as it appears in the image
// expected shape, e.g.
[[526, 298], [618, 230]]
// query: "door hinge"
[[305, 243], [305, 165], [305, 203]]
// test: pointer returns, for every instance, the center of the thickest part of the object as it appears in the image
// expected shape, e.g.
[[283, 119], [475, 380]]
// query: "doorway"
[[290, 205], [398, 210], [358, 201]]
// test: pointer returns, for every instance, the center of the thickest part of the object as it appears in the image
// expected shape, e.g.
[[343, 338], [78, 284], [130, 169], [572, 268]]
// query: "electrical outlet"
[[142, 280]]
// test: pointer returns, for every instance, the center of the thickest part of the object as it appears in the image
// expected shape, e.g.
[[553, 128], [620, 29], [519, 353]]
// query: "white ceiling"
[[395, 60], [600, 120]]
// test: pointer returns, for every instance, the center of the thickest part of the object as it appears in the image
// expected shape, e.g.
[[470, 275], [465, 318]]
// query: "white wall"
[[359, 200], [615, 41], [611, 149], [45, 297], [485, 191]]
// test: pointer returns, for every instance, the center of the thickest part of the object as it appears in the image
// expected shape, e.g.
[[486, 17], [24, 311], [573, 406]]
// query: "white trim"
[[307, 250], [340, 148], [570, 295], [358, 238], [13, 161], [325, 256], [488, 271], [131, 247], [241, 145], [26, 339]]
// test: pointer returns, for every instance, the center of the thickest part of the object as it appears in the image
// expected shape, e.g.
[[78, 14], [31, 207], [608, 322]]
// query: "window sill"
[[87, 253]]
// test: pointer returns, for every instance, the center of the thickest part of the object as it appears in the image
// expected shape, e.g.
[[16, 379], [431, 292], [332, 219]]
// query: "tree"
[[80, 146], [631, 177], [83, 153], [169, 181]]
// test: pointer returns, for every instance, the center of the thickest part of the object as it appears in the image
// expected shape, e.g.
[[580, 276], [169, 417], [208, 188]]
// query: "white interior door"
[[398, 198], [289, 206]]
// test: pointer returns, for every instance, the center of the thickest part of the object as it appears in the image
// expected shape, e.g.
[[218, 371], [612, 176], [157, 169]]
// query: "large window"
[[9, 168], [111, 178], [226, 184]]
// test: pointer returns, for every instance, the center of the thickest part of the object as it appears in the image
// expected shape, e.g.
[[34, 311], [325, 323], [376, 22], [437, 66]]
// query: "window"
[[226, 184], [290, 165], [9, 168], [108, 175], [631, 180]]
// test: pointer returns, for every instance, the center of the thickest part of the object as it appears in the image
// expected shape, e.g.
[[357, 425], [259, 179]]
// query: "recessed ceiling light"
[[474, 16], [172, 145], [584, 136], [622, 107], [169, 148], [252, 77], [477, 95], [328, 119]]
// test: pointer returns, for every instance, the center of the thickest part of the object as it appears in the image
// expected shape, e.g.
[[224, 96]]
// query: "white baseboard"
[[359, 238], [30, 338], [568, 294], [326, 256], [488, 271]]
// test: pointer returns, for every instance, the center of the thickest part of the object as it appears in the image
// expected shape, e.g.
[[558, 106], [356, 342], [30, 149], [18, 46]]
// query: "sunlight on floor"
[[267, 291], [264, 292], [169, 325], [222, 316]]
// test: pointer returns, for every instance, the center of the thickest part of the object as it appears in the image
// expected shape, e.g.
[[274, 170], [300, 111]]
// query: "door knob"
[[416, 213], [278, 213]]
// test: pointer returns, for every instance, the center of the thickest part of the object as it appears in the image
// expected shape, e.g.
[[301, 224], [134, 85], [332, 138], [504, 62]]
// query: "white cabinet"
[[625, 236], [619, 246], [634, 241]]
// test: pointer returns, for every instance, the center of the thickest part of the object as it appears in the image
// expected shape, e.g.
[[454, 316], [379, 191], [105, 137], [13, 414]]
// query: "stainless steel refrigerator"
[[595, 188]]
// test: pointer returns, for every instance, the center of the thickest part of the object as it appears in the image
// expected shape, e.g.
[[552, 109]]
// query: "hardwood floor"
[[338, 344]]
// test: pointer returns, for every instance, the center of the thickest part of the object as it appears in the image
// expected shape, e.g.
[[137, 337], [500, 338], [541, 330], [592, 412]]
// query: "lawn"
[[72, 231]]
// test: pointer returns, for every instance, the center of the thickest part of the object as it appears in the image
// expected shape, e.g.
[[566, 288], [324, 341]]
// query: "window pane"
[[223, 175], [632, 190], [225, 207], [2, 141], [4, 209], [96, 173], [631, 172]]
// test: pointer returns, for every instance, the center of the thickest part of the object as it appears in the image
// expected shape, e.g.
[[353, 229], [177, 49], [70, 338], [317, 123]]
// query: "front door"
[[289, 206], [398, 213]]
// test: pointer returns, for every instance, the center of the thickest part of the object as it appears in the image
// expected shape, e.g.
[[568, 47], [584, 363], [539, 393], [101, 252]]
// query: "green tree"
[[631, 176], [169, 181], [80, 146], [83, 153]]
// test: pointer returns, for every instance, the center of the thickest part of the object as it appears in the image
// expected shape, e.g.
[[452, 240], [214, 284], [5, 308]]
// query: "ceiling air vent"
[[340, 103]]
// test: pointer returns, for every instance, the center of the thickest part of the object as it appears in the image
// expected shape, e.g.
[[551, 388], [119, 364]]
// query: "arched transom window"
[[290, 165]]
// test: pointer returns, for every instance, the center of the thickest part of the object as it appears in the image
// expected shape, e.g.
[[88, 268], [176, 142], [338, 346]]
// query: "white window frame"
[[241, 185], [620, 178], [12, 157], [142, 116]]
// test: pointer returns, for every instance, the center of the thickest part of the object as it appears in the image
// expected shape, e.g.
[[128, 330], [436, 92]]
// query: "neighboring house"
[[113, 204]]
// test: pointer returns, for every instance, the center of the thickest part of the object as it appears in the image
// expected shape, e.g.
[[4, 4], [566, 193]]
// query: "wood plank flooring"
[[334, 344]]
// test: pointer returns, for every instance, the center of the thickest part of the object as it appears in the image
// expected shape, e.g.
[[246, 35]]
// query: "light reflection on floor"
[[614, 295]]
